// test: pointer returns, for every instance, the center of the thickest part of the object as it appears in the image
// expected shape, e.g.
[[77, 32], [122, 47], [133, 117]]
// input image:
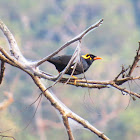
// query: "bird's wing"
[[81, 66], [63, 60]]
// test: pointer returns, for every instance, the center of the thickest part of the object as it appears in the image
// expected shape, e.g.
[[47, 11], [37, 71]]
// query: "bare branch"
[[91, 28], [74, 57], [121, 73], [77, 38], [77, 84], [3, 58], [103, 84], [33, 70], [66, 123], [87, 125], [125, 90], [14, 49], [8, 59], [67, 112]]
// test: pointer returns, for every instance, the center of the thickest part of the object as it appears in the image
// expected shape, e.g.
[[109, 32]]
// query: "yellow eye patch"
[[86, 56]]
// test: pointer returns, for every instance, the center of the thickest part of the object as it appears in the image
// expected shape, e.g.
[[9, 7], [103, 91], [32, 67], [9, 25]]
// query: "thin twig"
[[74, 57], [77, 59], [122, 71], [79, 37], [136, 60], [4, 136], [2, 71], [32, 102], [34, 112], [125, 90]]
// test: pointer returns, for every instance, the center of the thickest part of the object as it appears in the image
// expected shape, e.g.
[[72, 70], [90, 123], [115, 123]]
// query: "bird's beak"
[[96, 58]]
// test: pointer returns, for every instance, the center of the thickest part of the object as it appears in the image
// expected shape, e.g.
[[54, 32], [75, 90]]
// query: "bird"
[[82, 66]]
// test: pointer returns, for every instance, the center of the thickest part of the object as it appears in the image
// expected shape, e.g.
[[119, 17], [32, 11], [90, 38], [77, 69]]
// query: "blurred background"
[[40, 27]]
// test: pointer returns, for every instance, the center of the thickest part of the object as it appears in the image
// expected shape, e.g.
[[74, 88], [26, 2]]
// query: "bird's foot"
[[75, 79]]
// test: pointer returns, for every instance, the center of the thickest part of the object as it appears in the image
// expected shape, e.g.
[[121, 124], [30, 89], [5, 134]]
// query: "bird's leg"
[[74, 77]]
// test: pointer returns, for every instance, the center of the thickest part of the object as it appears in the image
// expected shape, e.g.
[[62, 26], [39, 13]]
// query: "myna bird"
[[83, 65]]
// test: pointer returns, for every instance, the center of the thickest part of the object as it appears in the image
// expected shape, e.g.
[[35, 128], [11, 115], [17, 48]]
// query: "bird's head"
[[91, 57]]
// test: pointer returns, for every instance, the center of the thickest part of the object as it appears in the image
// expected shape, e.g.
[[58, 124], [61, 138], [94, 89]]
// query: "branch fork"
[[16, 59]]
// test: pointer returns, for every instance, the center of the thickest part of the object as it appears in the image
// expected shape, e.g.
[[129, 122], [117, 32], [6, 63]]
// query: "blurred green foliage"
[[40, 27]]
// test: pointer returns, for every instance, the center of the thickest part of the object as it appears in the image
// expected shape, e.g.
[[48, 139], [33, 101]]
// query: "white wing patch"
[[72, 67]]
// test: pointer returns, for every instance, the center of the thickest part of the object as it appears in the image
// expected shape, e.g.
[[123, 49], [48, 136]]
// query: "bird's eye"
[[88, 57]]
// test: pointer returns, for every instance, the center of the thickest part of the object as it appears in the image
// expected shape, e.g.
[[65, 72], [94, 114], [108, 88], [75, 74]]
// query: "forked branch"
[[31, 68], [16, 59], [77, 38]]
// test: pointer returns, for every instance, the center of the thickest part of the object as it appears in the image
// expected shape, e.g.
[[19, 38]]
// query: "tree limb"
[[31, 68], [68, 113], [77, 38]]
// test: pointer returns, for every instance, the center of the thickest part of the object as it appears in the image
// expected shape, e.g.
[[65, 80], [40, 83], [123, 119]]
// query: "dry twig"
[[135, 62], [2, 71]]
